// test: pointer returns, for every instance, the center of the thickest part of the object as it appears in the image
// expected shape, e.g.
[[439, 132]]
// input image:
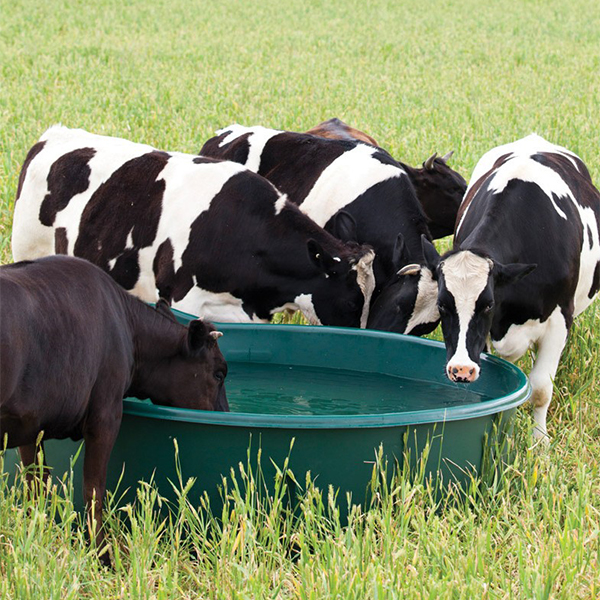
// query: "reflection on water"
[[293, 390]]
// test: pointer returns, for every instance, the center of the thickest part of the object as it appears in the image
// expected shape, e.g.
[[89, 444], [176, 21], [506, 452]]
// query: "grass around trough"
[[419, 77]]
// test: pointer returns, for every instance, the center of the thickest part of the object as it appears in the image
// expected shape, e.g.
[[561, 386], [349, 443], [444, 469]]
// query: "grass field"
[[419, 77]]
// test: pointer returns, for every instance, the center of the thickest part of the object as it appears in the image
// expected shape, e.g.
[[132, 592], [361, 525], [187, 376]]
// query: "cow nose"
[[462, 373]]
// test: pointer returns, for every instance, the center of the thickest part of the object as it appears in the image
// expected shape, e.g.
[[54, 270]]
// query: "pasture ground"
[[420, 77]]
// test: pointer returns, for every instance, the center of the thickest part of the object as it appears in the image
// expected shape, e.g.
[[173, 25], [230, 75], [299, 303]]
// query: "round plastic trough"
[[290, 382]]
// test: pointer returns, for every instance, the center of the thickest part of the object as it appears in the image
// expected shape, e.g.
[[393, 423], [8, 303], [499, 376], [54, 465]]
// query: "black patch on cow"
[[68, 176], [384, 158], [440, 191], [134, 193], [590, 238], [61, 241], [484, 179], [126, 269], [33, 152], [202, 160], [595, 282], [294, 161], [236, 151], [164, 272], [578, 180]]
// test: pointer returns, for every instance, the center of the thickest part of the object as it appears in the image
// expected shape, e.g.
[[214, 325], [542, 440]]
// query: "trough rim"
[[509, 401]]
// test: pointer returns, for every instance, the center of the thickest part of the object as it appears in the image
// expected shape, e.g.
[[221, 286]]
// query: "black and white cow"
[[439, 188], [526, 261], [211, 236], [327, 177]]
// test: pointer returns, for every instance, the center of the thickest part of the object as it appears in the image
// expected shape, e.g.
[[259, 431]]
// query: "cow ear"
[[400, 255], [198, 335], [430, 254], [511, 273], [343, 226], [321, 259], [164, 308]]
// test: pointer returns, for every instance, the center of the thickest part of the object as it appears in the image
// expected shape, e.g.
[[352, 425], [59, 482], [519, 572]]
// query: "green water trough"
[[339, 394]]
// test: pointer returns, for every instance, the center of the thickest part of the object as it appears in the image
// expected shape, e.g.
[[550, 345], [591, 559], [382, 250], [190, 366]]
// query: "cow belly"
[[219, 307]]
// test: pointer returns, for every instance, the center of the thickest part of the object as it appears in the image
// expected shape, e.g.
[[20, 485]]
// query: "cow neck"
[[155, 337]]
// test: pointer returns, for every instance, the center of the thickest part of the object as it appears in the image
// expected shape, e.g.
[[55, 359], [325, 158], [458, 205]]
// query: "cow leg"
[[29, 457], [99, 442], [550, 347]]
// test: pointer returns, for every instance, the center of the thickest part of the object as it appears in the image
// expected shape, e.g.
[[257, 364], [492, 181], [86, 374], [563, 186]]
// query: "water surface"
[[294, 390]]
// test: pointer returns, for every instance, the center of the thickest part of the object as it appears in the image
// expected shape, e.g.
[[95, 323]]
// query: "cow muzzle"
[[462, 373]]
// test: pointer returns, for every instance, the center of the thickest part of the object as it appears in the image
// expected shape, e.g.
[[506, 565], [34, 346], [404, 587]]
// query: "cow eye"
[[219, 376], [443, 309], [488, 308]]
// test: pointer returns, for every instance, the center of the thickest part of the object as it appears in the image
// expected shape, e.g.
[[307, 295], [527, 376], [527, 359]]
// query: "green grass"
[[419, 77]]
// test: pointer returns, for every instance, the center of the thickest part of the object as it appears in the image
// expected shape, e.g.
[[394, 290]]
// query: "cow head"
[[440, 191], [342, 290], [408, 302], [189, 373], [467, 284]]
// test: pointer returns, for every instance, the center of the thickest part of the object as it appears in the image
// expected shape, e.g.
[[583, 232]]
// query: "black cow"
[[526, 261], [330, 179], [439, 188], [73, 344], [216, 239]]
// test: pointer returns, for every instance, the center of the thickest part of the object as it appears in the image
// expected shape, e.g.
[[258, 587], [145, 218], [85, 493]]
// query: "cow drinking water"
[[526, 261], [211, 236], [355, 191], [73, 344]]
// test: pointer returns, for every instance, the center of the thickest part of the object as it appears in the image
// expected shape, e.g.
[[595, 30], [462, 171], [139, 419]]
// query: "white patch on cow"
[[466, 276], [344, 180], [219, 307], [31, 239], [365, 278], [548, 180], [280, 204], [589, 258], [129, 241], [257, 141], [189, 191], [524, 149], [550, 337], [425, 310], [303, 303]]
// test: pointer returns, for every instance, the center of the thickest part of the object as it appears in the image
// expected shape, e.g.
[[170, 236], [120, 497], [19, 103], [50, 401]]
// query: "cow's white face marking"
[[257, 141], [425, 310], [365, 278], [466, 276]]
